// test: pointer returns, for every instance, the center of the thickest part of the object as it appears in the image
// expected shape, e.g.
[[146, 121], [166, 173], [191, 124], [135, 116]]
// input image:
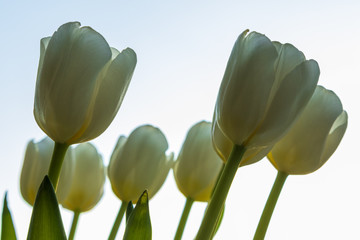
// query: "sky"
[[182, 49]]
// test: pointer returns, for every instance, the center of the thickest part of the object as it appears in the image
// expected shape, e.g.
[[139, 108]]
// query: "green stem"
[[184, 216], [117, 222], [56, 163], [73, 225], [270, 205], [220, 193]]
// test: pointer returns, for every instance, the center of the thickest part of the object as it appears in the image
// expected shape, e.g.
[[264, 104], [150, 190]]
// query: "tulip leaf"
[[46, 223], [138, 226], [7, 226], [129, 210]]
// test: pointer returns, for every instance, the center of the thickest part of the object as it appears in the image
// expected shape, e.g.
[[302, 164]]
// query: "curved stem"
[[220, 193], [74, 225], [56, 163], [184, 216], [270, 205], [117, 222]]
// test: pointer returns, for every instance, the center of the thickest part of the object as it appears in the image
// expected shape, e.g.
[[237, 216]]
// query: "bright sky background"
[[182, 49]]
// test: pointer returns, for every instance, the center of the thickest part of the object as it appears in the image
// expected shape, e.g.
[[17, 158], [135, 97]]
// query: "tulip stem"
[[56, 163], [74, 225], [270, 205], [118, 219], [184, 216], [217, 201]]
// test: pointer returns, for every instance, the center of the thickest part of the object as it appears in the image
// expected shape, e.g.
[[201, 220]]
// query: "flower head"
[[87, 181], [139, 163], [197, 166], [81, 83], [314, 137]]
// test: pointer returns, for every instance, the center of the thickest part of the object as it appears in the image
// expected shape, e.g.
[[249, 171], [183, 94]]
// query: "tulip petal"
[[336, 134], [112, 168], [113, 82], [222, 145], [300, 150], [27, 173], [253, 155], [289, 57], [291, 98], [64, 90], [246, 86], [44, 42], [163, 172]]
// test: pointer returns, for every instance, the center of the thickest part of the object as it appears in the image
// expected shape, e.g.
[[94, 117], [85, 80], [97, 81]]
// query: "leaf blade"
[[138, 226], [46, 222], [7, 225]]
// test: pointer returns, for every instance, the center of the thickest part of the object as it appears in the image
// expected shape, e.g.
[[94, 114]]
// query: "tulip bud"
[[313, 138], [35, 167], [197, 166], [265, 87], [139, 163], [81, 83], [87, 182]]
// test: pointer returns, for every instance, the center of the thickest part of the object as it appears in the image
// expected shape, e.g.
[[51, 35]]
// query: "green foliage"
[[138, 226], [46, 223], [129, 210], [7, 226]]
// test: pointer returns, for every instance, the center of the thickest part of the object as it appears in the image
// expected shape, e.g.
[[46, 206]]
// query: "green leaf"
[[129, 209], [46, 223], [138, 226], [7, 226]]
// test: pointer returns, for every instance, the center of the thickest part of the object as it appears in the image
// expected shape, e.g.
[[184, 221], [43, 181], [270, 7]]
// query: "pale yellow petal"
[[291, 98], [163, 172], [333, 140], [113, 82], [113, 162]]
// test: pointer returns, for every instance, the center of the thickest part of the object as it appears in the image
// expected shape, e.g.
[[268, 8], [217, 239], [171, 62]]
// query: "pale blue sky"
[[182, 49]]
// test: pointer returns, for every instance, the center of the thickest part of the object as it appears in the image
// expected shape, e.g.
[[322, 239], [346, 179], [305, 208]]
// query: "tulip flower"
[[138, 163], [35, 167], [307, 145], [266, 85], [196, 169], [313, 138], [197, 166], [87, 182], [80, 84]]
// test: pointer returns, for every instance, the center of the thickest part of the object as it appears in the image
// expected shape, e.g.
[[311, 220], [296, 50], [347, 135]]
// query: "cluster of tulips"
[[268, 105]]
